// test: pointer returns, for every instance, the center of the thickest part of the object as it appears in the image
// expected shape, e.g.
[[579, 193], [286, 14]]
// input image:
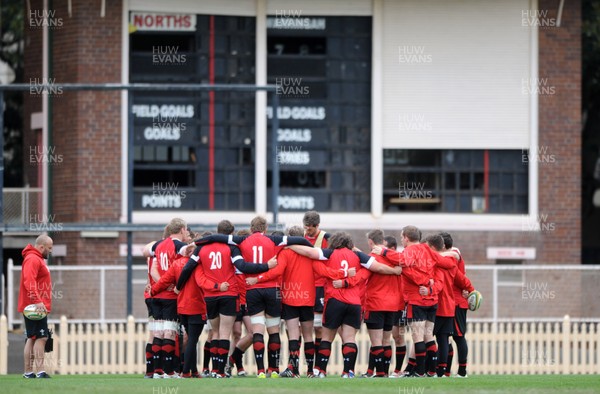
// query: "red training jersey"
[[459, 300], [298, 277], [418, 269], [150, 279], [217, 262], [190, 300], [259, 249], [344, 259], [166, 252], [382, 290], [36, 285]]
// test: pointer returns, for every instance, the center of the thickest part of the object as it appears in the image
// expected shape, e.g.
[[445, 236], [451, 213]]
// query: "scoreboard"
[[197, 152], [322, 70]]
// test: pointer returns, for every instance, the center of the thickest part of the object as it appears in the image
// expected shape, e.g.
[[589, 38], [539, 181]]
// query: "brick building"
[[455, 116]]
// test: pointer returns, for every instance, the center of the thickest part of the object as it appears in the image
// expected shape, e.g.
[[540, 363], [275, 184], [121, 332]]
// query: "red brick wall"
[[560, 131]]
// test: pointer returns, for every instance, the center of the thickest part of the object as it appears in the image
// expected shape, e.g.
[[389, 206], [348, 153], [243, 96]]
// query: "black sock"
[[168, 350], [387, 359], [371, 366], [157, 355], [411, 366], [149, 359], [176, 354], [322, 358], [450, 357], [400, 354], [420, 355], [349, 352], [463, 352], [258, 343], [214, 355], [207, 355], [442, 340], [294, 347], [237, 358], [431, 356], [274, 350], [223, 351], [309, 355], [377, 352]]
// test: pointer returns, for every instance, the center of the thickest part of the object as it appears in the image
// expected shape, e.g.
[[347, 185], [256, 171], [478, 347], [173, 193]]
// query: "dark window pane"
[[457, 178], [450, 181], [465, 181]]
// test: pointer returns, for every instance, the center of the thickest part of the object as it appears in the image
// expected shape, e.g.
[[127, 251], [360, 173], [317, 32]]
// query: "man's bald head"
[[44, 244]]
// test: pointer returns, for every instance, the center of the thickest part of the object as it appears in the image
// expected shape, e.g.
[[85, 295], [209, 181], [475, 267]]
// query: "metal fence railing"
[[97, 293], [22, 205]]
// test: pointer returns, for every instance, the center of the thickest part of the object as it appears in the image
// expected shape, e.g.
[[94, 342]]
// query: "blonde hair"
[[175, 226]]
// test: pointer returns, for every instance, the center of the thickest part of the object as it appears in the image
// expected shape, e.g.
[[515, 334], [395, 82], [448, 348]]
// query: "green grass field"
[[130, 384]]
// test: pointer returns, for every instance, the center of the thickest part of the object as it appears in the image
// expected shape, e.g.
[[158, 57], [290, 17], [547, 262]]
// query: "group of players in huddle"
[[320, 284]]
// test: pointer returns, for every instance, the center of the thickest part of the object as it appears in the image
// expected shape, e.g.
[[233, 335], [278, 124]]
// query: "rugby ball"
[[31, 312], [474, 299]]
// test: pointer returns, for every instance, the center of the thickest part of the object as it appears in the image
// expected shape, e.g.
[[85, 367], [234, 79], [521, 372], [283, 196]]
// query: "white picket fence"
[[522, 347]]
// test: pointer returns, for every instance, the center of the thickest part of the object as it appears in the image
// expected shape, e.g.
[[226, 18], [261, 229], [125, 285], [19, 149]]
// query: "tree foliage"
[[11, 53]]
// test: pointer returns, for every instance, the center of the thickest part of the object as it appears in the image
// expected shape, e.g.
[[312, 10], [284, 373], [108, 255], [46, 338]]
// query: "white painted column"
[[377, 110], [260, 169]]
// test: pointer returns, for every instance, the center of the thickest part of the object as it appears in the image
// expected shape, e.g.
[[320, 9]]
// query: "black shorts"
[[36, 329], [376, 320], [319, 299], [337, 313], [443, 325], [304, 313], [241, 313], [400, 318], [149, 307], [221, 305], [460, 321], [186, 320], [264, 300], [421, 313], [164, 309]]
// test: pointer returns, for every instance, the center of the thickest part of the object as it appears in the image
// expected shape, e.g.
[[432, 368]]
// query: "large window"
[[323, 73], [195, 150], [476, 181]]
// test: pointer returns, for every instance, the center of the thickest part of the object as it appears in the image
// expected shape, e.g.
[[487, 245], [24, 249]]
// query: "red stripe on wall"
[[486, 179]]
